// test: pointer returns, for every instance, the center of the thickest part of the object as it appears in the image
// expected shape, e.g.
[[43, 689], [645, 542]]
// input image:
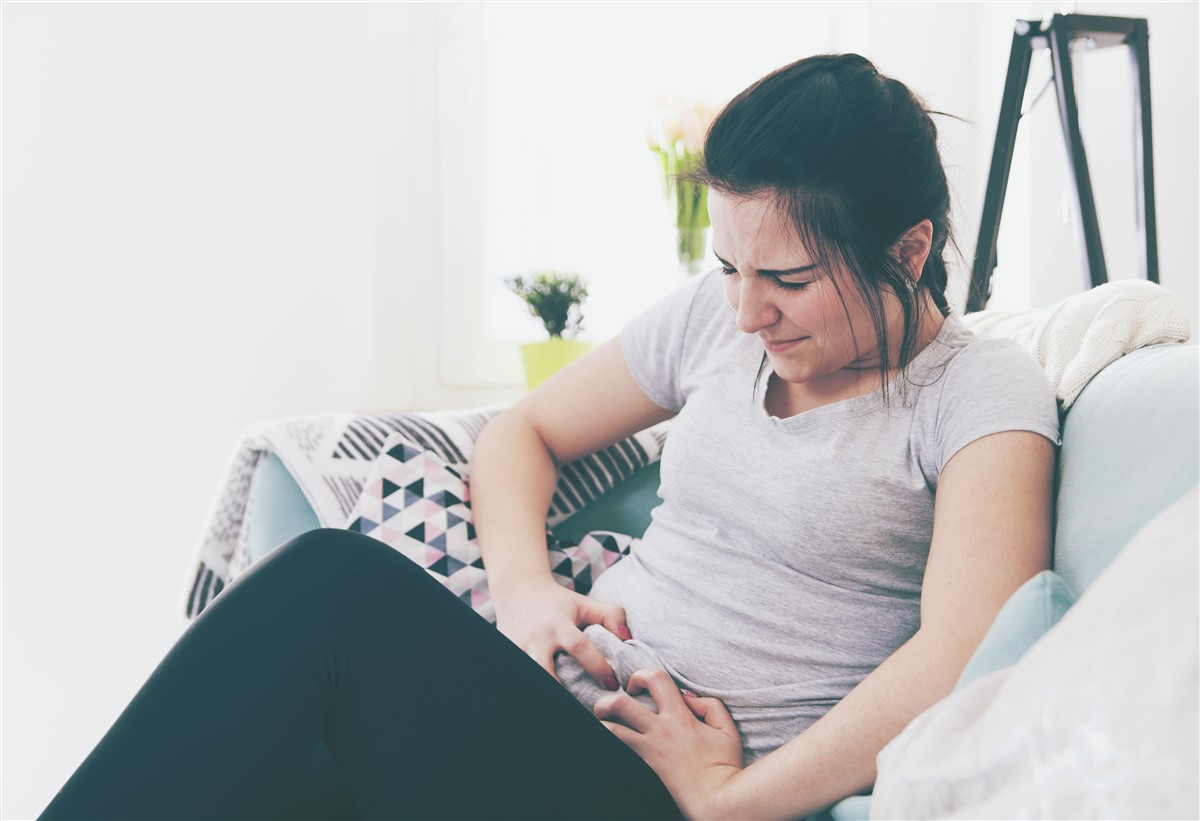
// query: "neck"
[[857, 379], [931, 326]]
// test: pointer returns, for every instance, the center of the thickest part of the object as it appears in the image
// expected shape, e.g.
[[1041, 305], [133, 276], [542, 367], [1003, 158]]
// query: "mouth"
[[782, 345]]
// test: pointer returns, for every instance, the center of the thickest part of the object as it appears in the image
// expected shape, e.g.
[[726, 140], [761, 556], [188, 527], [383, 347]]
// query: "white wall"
[[954, 54], [188, 246], [219, 213]]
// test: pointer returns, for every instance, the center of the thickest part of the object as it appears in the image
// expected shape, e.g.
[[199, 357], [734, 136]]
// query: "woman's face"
[[778, 300]]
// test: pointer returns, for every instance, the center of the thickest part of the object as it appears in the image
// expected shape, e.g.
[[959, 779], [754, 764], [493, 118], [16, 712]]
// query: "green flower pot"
[[543, 359]]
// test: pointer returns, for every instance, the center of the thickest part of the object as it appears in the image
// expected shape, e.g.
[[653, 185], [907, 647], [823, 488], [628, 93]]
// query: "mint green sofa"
[[1131, 447]]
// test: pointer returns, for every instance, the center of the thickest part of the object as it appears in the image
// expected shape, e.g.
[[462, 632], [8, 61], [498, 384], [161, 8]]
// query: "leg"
[[232, 713], [429, 711], [441, 716], [320, 792]]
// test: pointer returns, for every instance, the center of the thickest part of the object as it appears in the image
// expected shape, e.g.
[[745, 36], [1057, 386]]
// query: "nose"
[[755, 307]]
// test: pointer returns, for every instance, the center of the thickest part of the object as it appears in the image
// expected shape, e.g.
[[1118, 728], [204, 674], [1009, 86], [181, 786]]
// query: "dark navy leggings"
[[335, 644]]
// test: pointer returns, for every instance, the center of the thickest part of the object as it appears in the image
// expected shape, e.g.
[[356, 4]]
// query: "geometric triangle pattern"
[[414, 502]]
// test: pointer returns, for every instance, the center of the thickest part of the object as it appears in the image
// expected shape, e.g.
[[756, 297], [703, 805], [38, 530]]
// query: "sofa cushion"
[[854, 808], [416, 503], [1077, 337], [1131, 446], [1029, 613], [276, 509], [624, 509]]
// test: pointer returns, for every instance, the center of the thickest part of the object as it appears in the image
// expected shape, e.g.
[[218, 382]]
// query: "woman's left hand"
[[692, 743]]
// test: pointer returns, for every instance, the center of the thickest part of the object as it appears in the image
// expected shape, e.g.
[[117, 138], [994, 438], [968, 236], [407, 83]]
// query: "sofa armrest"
[[1130, 445], [276, 510]]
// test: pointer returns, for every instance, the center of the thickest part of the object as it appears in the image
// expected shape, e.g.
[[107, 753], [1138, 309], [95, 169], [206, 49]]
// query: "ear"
[[913, 247]]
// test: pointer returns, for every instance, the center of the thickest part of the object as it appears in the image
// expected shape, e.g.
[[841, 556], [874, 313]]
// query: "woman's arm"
[[590, 404], [992, 531], [587, 405]]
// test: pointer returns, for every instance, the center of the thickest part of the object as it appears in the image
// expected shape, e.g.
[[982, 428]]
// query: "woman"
[[798, 598]]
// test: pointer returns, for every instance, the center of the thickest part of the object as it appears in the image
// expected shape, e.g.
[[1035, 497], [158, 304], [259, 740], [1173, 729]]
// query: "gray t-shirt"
[[785, 561]]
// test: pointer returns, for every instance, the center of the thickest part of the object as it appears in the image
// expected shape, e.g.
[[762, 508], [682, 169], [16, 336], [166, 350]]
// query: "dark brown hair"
[[851, 157]]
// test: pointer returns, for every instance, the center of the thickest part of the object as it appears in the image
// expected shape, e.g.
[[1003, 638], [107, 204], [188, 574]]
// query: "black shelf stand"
[[1056, 34]]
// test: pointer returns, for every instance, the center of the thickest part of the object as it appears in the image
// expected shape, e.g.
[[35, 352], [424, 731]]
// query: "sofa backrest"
[[1131, 447], [623, 509]]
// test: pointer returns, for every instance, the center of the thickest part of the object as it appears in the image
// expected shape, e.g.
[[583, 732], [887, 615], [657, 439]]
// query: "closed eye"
[[787, 286]]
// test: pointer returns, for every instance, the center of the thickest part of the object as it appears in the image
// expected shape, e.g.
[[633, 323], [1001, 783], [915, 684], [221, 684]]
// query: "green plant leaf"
[[554, 297]]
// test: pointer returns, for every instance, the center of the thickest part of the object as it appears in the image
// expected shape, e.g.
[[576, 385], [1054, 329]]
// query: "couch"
[[1131, 447]]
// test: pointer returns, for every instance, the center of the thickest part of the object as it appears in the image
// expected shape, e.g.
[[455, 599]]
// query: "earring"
[[912, 286]]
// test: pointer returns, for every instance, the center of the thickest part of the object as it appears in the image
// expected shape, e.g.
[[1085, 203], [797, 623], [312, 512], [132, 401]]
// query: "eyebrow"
[[770, 272]]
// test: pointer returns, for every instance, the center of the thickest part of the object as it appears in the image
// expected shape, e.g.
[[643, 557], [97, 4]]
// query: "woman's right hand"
[[590, 404], [542, 618]]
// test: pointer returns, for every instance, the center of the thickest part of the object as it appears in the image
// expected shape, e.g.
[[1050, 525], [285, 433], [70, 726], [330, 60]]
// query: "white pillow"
[[1077, 337], [1099, 719]]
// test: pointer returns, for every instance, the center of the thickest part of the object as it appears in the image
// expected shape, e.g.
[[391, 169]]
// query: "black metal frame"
[[1056, 34]]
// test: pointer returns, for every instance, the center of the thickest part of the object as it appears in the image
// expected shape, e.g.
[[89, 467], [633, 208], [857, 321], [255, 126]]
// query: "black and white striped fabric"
[[331, 455]]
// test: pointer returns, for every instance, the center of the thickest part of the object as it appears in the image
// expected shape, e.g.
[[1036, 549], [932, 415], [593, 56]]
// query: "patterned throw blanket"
[[332, 456]]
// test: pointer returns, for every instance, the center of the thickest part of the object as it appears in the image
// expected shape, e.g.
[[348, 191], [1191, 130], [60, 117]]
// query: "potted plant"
[[556, 298]]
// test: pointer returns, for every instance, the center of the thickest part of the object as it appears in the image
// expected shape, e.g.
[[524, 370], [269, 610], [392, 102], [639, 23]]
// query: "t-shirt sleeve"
[[655, 341], [992, 386]]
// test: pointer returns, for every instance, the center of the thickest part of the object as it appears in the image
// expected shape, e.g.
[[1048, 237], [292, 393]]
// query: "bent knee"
[[330, 549]]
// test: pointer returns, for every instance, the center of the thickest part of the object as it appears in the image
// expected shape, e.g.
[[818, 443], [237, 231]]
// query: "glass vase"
[[693, 243]]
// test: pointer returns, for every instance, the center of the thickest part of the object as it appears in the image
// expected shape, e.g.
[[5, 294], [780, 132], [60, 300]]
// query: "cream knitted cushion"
[[1076, 338]]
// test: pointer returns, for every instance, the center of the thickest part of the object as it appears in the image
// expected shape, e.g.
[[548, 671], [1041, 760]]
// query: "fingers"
[[662, 687], [581, 648], [622, 707], [542, 654], [713, 712], [610, 616], [539, 649], [667, 696], [614, 622], [548, 666]]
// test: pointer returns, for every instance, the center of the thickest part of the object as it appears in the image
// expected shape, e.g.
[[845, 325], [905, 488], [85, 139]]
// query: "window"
[[543, 111]]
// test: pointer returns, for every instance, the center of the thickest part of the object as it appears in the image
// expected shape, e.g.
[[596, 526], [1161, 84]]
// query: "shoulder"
[[990, 385], [711, 312], [960, 363], [987, 364], [691, 317], [667, 343], [683, 305], [704, 297]]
